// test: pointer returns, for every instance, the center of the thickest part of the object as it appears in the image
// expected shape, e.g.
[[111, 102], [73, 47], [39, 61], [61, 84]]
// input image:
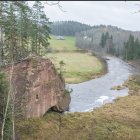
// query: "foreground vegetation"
[[78, 67], [115, 121], [24, 31]]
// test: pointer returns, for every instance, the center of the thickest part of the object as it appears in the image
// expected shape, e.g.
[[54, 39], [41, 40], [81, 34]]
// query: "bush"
[[68, 91], [3, 93], [3, 83], [137, 78], [3, 98]]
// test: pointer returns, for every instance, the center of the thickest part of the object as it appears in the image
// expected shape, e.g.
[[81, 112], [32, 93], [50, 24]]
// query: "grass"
[[115, 121], [78, 67], [63, 45]]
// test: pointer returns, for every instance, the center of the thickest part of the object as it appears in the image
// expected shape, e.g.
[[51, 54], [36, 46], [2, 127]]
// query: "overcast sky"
[[117, 13]]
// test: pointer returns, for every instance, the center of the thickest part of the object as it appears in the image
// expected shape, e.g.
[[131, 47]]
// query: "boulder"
[[38, 87]]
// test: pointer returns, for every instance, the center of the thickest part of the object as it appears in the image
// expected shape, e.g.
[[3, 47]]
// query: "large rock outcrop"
[[38, 87]]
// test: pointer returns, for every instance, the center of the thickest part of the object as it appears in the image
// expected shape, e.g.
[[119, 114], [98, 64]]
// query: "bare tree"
[[56, 3], [10, 94]]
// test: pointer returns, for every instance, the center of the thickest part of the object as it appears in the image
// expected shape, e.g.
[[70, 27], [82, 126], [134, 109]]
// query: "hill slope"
[[68, 28], [92, 38]]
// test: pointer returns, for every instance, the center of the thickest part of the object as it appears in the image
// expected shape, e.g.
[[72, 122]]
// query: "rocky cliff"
[[38, 87]]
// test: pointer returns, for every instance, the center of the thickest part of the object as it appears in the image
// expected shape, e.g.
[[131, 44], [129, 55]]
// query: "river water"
[[94, 93]]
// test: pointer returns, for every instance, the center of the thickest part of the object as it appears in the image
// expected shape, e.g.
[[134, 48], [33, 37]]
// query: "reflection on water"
[[96, 92]]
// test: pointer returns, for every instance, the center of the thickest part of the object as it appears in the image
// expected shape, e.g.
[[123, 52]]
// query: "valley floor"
[[78, 66], [115, 121]]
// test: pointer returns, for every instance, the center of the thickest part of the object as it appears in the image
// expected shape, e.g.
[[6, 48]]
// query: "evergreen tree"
[[110, 46], [106, 35], [23, 27], [136, 49], [23, 30], [11, 32], [130, 48], [103, 41], [41, 30]]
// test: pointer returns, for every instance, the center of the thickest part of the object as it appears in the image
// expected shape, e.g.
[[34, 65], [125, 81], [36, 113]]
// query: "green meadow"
[[79, 67], [62, 45]]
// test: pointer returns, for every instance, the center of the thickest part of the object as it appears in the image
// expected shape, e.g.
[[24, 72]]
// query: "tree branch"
[[56, 3]]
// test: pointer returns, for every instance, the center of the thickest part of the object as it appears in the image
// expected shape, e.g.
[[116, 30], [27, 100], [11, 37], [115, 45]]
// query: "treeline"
[[112, 40], [23, 30], [131, 48], [107, 42], [68, 28]]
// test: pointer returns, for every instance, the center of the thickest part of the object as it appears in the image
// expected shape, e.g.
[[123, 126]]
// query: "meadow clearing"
[[78, 66], [62, 45]]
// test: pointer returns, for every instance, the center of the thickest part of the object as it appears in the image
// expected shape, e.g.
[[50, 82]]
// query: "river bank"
[[135, 64], [115, 121], [96, 92], [78, 66], [119, 120]]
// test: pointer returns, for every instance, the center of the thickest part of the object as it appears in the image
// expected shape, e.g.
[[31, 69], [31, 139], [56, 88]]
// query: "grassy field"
[[63, 45], [78, 67], [115, 121]]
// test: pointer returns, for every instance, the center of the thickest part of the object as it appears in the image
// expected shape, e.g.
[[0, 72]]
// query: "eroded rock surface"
[[38, 87]]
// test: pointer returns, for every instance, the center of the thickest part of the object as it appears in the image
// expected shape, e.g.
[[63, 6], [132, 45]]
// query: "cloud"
[[117, 13]]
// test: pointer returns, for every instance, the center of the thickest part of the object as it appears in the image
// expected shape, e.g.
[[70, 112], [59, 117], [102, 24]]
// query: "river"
[[94, 93]]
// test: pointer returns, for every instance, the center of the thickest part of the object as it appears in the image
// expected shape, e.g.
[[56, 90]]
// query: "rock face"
[[38, 87]]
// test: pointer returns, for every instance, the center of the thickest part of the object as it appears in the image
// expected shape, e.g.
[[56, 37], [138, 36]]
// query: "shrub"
[[137, 77]]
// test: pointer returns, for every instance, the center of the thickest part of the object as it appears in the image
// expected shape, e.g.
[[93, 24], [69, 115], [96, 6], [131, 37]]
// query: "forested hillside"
[[110, 39], [23, 29], [68, 28]]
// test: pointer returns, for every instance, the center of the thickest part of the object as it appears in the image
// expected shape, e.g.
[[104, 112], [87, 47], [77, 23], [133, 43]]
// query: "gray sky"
[[116, 13]]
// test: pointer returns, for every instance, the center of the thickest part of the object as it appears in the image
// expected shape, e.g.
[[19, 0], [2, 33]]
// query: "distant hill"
[[68, 28], [92, 38]]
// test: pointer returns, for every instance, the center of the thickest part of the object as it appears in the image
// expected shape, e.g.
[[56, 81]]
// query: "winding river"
[[94, 93]]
